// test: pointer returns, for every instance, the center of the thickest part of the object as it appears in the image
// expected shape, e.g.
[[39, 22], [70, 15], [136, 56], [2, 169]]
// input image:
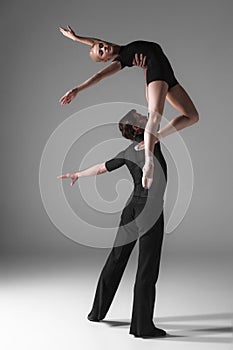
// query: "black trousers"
[[150, 236]]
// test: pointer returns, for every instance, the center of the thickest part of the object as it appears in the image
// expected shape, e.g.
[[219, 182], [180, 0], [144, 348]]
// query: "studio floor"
[[44, 305]]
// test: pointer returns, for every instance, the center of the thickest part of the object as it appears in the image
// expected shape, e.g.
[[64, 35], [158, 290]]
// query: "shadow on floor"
[[199, 330]]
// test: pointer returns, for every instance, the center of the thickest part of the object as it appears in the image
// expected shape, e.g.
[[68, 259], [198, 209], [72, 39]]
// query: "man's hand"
[[140, 61], [73, 176]]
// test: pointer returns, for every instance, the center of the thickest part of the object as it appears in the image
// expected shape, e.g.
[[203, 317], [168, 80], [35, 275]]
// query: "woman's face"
[[102, 52]]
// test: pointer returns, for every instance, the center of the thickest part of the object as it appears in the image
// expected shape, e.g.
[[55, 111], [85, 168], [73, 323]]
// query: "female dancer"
[[141, 218], [161, 84]]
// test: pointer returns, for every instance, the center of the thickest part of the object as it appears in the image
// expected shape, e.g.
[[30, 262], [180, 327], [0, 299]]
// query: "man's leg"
[[150, 245], [115, 265]]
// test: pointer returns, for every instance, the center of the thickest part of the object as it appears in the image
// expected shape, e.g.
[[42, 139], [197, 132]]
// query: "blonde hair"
[[93, 57]]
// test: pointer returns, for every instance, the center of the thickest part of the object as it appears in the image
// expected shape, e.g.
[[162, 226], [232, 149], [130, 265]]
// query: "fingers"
[[65, 99], [136, 59], [62, 30], [68, 97], [70, 29], [73, 181], [67, 176], [139, 60], [144, 62], [66, 30], [63, 176]]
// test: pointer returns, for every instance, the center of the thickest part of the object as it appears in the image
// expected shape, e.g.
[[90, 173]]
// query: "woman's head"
[[132, 124], [101, 52]]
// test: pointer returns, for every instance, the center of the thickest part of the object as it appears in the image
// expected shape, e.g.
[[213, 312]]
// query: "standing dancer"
[[143, 219], [161, 84]]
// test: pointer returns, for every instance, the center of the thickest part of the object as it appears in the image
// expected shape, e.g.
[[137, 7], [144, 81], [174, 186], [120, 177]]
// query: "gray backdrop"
[[39, 65]]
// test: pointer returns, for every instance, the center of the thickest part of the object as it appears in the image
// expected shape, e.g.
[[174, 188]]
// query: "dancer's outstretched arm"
[[94, 170], [111, 69], [69, 33]]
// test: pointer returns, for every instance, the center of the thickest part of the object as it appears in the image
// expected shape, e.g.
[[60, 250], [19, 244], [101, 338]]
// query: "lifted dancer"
[[161, 84]]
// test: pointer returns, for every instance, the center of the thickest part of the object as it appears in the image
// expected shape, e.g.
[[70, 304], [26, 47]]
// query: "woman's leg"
[[180, 100], [156, 94]]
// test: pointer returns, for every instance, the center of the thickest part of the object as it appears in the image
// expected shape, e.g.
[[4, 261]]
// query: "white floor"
[[45, 308]]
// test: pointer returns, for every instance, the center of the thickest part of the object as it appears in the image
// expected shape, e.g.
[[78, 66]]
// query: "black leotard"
[[134, 160], [158, 65]]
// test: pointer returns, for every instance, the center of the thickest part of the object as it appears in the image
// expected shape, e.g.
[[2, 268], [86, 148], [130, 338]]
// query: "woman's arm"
[[111, 69], [94, 170], [69, 33]]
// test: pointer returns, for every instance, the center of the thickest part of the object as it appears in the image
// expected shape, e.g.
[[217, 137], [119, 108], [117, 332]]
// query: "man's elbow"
[[102, 169]]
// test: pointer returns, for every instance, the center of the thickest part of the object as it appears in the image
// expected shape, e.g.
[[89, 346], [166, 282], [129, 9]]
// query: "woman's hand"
[[73, 176], [69, 96], [140, 61], [69, 33]]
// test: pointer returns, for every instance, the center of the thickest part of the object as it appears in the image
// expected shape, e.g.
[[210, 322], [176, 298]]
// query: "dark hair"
[[126, 125]]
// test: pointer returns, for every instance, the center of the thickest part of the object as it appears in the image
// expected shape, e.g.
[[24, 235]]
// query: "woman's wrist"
[[76, 89], [75, 37]]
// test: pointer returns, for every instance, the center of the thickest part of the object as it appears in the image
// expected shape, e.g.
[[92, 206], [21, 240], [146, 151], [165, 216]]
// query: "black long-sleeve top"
[[134, 160]]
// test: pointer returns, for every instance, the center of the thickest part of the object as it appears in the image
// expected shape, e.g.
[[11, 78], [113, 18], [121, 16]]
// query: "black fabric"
[[133, 224], [158, 65], [116, 162], [135, 160]]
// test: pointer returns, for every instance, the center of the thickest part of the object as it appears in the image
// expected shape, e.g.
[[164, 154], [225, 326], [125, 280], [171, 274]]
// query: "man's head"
[[132, 124], [101, 52]]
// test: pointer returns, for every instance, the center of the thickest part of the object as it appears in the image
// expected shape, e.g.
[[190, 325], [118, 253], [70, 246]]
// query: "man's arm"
[[96, 169]]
